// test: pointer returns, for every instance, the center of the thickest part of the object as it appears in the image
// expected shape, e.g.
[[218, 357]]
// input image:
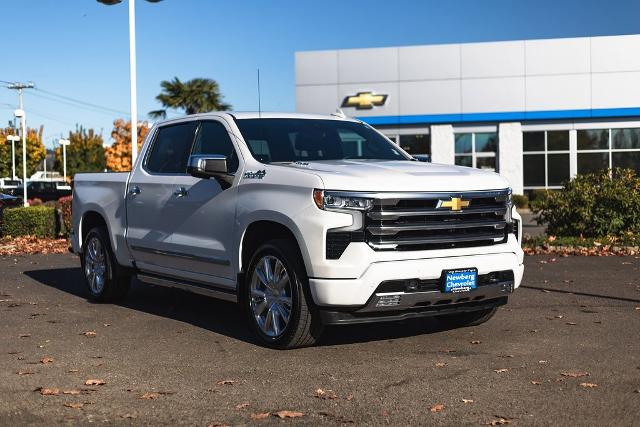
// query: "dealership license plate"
[[461, 280]]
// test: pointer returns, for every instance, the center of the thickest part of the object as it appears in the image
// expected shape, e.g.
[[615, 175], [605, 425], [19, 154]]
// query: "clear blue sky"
[[79, 48]]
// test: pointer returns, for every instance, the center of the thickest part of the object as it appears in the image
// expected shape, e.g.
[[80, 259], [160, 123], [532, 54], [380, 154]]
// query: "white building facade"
[[537, 111]]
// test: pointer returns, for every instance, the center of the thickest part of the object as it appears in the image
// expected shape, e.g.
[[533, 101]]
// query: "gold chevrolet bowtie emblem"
[[364, 100], [455, 204]]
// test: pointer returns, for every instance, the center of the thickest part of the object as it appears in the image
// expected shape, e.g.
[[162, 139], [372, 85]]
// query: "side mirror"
[[207, 166]]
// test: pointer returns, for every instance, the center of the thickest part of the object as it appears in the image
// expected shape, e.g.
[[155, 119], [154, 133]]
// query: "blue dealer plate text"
[[462, 280]]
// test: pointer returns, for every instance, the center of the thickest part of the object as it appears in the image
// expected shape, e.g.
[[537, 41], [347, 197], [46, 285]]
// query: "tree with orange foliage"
[[119, 154]]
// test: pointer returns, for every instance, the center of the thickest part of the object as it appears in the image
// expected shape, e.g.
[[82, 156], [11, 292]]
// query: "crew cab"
[[302, 220]]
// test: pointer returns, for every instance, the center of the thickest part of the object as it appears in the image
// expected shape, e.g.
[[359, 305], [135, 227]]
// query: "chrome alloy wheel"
[[95, 265], [271, 296]]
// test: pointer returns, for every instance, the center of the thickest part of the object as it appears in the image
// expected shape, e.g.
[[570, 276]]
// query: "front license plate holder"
[[459, 280]]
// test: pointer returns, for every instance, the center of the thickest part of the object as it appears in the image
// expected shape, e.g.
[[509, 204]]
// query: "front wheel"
[[276, 298], [104, 278], [469, 318]]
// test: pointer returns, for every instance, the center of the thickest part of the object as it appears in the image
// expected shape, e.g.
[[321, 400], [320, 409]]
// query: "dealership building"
[[537, 111]]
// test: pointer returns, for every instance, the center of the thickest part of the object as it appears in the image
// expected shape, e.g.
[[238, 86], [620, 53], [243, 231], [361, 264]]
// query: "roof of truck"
[[261, 115]]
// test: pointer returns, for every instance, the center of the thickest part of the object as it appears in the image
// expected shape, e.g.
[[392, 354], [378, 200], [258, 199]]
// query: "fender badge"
[[254, 175]]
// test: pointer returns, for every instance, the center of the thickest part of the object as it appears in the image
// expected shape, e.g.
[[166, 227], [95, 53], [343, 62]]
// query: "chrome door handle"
[[180, 192], [134, 191]]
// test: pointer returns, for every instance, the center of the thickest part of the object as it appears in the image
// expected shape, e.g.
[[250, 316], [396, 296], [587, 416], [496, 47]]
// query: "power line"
[[80, 107], [88, 104]]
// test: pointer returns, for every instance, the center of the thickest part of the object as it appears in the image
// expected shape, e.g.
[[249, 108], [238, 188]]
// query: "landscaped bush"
[[40, 221], [593, 205], [521, 202], [64, 207]]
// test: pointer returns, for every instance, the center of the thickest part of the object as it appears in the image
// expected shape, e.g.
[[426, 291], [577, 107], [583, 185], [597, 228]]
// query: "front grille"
[[418, 222]]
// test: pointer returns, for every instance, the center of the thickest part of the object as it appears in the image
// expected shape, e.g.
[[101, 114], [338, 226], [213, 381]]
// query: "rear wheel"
[[276, 298], [470, 318], [104, 278]]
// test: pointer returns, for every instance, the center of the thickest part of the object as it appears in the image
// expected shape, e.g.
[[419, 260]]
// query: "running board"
[[194, 287]]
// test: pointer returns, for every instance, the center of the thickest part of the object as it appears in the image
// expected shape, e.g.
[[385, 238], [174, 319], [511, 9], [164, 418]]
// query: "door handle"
[[181, 192], [134, 191]]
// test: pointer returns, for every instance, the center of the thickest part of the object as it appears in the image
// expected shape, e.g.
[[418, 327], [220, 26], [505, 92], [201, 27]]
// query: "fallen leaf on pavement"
[[543, 361], [440, 365], [536, 382], [588, 385], [76, 405], [217, 424], [571, 323], [46, 360], [499, 371], [242, 406], [94, 382], [325, 394], [25, 373], [226, 382], [70, 391], [437, 407], [288, 414], [349, 397], [499, 422], [48, 391], [467, 400], [24, 335], [128, 416], [150, 395], [89, 334], [575, 374], [70, 371], [260, 415], [476, 342]]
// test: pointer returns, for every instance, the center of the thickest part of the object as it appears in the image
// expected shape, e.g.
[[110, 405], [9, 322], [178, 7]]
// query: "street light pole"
[[134, 82], [20, 114], [64, 143], [132, 72]]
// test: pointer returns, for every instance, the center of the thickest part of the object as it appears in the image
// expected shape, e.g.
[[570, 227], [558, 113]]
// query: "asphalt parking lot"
[[566, 350]]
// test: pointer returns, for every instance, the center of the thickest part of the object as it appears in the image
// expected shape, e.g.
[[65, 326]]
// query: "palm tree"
[[193, 96]]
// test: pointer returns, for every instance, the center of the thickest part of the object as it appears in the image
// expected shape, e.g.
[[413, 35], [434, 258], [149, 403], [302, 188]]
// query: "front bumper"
[[356, 293]]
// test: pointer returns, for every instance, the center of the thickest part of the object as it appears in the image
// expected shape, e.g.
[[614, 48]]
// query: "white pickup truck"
[[302, 220]]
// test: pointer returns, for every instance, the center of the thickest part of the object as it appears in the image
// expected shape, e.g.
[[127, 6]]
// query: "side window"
[[170, 150], [213, 138]]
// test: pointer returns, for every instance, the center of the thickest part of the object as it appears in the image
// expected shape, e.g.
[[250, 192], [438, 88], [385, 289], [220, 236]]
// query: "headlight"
[[339, 201]]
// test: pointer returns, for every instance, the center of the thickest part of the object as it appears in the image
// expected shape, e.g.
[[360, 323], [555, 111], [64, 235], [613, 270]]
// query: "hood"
[[394, 175]]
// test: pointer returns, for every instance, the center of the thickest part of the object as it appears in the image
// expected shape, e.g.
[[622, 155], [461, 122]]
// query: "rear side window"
[[171, 148], [213, 138]]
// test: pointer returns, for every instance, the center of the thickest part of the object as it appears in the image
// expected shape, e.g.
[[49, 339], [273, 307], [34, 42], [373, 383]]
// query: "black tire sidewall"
[[276, 249]]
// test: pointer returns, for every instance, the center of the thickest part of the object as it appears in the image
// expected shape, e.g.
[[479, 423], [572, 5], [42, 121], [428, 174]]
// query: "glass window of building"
[[601, 149], [477, 150], [545, 159], [415, 144]]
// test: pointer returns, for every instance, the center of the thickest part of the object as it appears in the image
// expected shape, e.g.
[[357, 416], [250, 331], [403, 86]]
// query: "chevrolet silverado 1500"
[[302, 220]]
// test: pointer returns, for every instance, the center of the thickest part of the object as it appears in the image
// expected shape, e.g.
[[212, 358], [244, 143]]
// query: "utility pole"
[[20, 87]]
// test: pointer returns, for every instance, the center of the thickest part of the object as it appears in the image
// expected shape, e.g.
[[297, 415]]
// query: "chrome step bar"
[[194, 287]]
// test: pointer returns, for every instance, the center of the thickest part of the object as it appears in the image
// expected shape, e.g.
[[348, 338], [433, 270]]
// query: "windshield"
[[292, 140]]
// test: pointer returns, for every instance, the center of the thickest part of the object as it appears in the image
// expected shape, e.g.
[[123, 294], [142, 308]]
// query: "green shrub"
[[64, 207], [593, 205], [40, 221], [521, 202]]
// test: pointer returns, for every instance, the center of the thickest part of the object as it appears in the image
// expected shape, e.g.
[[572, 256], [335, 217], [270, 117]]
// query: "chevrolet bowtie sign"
[[364, 100]]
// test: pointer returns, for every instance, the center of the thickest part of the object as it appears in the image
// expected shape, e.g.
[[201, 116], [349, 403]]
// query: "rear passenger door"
[[205, 214], [150, 199]]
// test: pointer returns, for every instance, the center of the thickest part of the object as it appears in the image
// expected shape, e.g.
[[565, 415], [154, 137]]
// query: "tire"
[[105, 279], [265, 305], [464, 319]]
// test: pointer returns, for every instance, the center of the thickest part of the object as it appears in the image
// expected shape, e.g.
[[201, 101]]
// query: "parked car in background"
[[43, 190], [7, 200], [9, 184]]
